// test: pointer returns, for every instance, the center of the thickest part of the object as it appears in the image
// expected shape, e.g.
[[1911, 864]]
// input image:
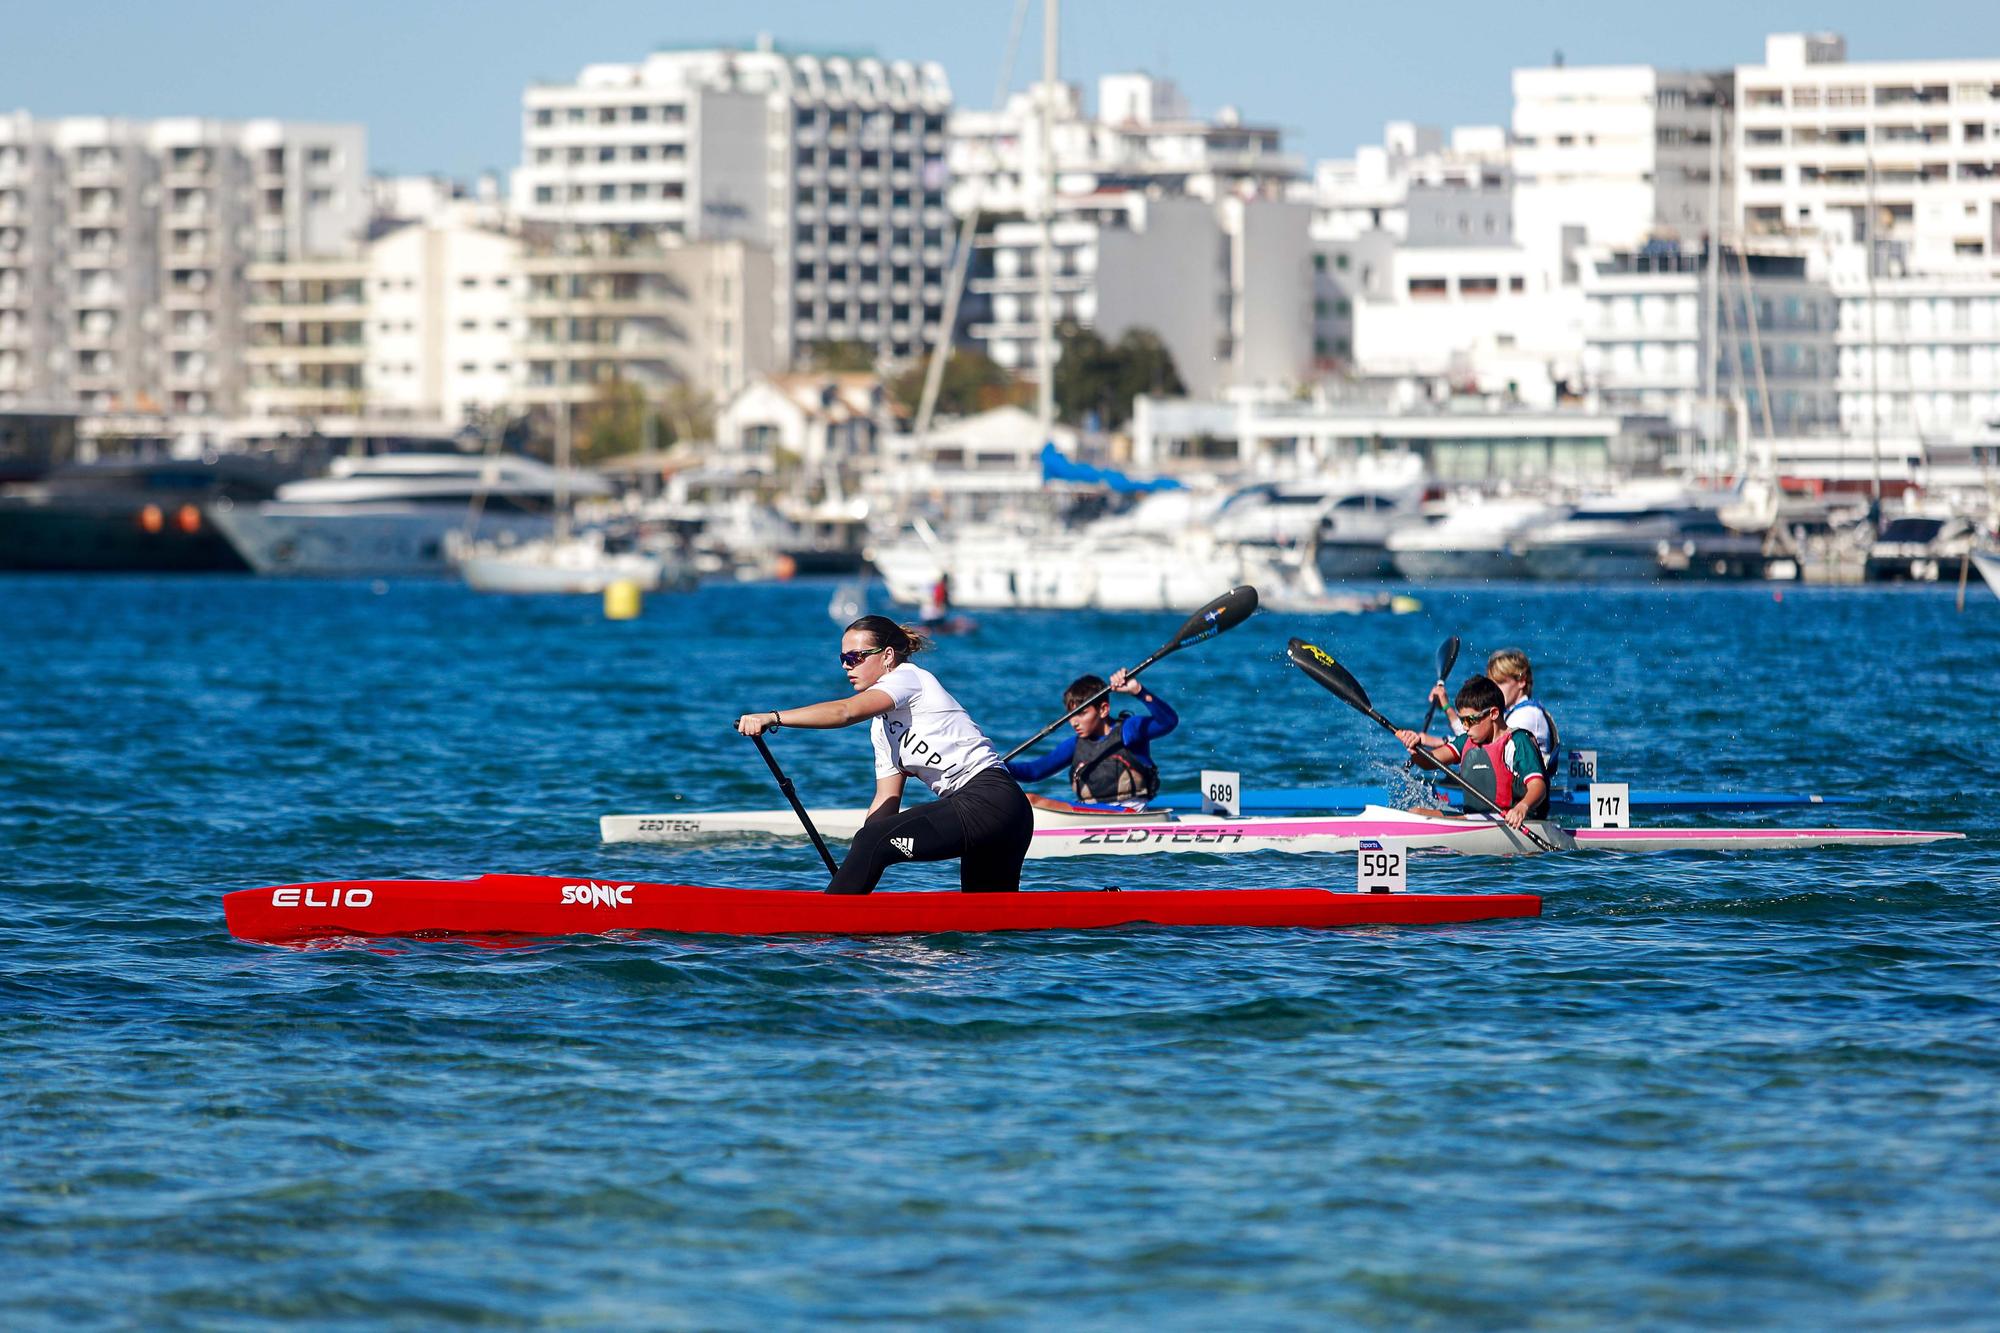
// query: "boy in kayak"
[[1110, 760], [1498, 761], [1510, 670]]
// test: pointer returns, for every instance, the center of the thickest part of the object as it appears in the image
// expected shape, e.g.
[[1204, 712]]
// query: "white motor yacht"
[[1918, 547], [1475, 538], [391, 513], [581, 563], [1639, 533]]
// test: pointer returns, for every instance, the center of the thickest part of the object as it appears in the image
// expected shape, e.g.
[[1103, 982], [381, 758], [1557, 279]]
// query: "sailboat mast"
[[1710, 408], [1045, 168], [1874, 353]]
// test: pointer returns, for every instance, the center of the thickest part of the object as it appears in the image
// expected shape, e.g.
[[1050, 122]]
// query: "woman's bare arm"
[[819, 717]]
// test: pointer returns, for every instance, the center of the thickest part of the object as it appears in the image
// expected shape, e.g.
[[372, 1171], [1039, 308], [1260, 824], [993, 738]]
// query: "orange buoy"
[[151, 519], [784, 567], [188, 519]]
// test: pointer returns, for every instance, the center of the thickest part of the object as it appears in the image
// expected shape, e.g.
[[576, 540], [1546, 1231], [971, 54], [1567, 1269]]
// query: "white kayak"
[[1118, 833]]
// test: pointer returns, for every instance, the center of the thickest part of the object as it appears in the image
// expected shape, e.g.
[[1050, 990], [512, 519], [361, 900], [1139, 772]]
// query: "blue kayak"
[[1315, 800]]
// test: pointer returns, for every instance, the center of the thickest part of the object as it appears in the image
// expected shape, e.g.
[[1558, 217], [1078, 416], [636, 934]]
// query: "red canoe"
[[549, 905]]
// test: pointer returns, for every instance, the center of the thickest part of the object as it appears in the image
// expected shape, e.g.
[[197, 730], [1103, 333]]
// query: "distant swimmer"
[[1499, 762], [1110, 760], [981, 816], [1510, 669]]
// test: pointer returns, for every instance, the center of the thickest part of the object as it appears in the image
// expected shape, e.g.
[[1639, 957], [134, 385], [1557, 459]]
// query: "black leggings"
[[987, 824]]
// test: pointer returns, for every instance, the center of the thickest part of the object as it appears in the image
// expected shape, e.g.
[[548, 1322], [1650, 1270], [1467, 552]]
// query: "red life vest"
[[1486, 771]]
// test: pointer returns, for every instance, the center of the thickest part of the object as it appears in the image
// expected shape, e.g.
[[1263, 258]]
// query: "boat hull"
[[502, 573], [1061, 834], [1458, 566], [95, 538], [535, 905], [361, 540]]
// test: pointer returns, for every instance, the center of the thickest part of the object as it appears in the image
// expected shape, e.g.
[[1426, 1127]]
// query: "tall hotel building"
[[123, 246], [836, 165]]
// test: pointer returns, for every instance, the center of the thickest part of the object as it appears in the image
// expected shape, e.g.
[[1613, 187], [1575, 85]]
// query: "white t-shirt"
[[927, 734], [1526, 715]]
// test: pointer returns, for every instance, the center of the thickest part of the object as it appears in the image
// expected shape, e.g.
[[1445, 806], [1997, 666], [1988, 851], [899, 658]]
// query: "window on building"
[[545, 117], [1429, 289], [606, 193], [640, 114], [1479, 288]]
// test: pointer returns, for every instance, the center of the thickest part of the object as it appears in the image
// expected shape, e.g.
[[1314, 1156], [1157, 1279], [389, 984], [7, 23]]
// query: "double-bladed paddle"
[[1319, 664], [785, 786], [1447, 658], [1225, 612]]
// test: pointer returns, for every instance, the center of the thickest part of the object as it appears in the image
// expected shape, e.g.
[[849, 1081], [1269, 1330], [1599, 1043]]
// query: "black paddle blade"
[[1225, 612], [1319, 664], [1447, 657]]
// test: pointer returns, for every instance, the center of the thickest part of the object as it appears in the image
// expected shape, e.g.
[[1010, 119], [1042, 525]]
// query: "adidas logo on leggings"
[[907, 846]]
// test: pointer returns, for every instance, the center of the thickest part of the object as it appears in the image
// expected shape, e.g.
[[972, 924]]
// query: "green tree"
[[1100, 377], [840, 357], [972, 382], [686, 413], [614, 424]]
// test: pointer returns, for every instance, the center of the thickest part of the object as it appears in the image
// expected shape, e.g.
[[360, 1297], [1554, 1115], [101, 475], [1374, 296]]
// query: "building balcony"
[[98, 257], [274, 399], [342, 354], [330, 312]]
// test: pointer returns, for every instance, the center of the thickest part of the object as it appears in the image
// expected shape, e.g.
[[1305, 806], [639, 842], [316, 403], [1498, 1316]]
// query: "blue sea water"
[[1736, 1090]]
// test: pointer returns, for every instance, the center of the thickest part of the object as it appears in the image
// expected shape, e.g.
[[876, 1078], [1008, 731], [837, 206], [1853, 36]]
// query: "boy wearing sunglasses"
[[1510, 669], [1110, 760], [1499, 762]]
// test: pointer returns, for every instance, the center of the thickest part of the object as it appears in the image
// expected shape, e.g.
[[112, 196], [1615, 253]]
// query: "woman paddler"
[[981, 817]]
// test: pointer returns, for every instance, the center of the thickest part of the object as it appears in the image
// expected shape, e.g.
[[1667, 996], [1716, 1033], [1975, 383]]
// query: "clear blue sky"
[[438, 84]]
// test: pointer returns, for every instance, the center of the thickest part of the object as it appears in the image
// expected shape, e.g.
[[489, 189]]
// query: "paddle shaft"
[[1460, 782], [1091, 702], [1447, 658], [785, 786]]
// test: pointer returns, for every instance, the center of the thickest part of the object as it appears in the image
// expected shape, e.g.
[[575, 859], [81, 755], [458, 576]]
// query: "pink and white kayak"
[[1064, 833], [540, 905]]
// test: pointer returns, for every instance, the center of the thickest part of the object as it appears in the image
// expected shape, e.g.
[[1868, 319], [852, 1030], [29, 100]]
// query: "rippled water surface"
[[1741, 1090]]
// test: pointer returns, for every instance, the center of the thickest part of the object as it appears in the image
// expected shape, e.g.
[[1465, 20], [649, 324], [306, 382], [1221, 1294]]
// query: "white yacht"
[[392, 513], [1639, 533], [585, 562], [1475, 538], [1918, 547]]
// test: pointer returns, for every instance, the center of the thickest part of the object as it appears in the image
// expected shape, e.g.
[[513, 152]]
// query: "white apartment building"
[[1612, 156], [835, 165], [1653, 344], [122, 245], [1226, 285], [461, 315], [1362, 211], [1282, 437], [1370, 192], [1818, 135], [1143, 137], [1935, 343]]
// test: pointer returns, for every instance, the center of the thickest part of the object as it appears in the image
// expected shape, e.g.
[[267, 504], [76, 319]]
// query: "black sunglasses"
[[855, 659]]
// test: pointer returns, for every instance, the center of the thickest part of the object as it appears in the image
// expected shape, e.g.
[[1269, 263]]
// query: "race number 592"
[[1381, 868]]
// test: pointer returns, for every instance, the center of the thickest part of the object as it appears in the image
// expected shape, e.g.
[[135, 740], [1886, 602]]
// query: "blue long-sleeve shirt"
[[1138, 731]]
